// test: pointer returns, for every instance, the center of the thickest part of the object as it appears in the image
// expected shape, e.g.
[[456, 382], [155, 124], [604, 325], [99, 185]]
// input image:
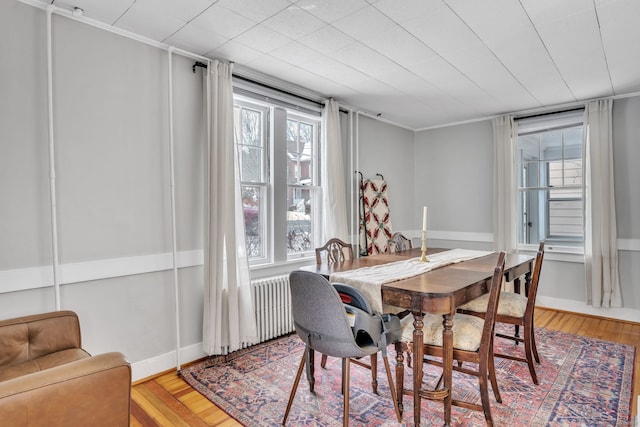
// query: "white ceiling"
[[418, 63]]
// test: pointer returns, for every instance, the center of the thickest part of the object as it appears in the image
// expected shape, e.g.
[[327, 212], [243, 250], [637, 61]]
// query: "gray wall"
[[111, 129], [454, 176], [458, 161], [388, 150]]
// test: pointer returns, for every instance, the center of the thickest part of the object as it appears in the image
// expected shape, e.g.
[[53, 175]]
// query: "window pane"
[[252, 206], [530, 175], [251, 161], [300, 142], [251, 127], [551, 145], [529, 147], [299, 214], [306, 134], [573, 143], [565, 218], [292, 136]]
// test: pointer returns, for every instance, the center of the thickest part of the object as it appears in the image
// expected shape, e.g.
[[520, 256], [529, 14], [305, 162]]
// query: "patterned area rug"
[[583, 382]]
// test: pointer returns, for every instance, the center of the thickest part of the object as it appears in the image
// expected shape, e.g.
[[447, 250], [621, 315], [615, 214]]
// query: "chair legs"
[[346, 374], [295, 386], [486, 375], [346, 364], [530, 352], [530, 349], [373, 366]]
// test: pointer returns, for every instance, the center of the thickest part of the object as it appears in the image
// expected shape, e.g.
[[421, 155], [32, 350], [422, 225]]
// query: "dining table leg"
[[400, 375], [417, 365], [447, 368], [516, 289]]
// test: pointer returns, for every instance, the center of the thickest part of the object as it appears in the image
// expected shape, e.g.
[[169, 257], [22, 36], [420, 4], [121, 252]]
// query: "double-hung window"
[[303, 192], [251, 123], [550, 185], [278, 150]]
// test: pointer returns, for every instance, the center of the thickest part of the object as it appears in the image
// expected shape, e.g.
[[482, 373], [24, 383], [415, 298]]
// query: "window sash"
[[266, 189], [550, 203]]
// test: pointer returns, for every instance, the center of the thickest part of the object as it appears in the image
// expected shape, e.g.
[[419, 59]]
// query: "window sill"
[[556, 253], [281, 267]]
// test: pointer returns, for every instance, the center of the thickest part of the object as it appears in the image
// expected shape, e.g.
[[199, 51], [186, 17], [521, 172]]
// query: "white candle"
[[424, 219]]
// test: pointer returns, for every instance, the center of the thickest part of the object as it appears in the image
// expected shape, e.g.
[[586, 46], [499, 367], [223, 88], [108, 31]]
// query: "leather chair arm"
[[94, 392]]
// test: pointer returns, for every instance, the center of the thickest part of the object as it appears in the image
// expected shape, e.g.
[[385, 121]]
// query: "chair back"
[[535, 278], [320, 318], [492, 305], [335, 250], [399, 243]]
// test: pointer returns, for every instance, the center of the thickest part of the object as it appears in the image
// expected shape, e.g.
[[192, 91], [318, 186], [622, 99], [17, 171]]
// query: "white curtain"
[[600, 244], [334, 210], [229, 319], [505, 185]]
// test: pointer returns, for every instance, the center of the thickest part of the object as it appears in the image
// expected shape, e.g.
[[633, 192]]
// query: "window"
[[279, 164], [550, 202], [251, 131], [302, 180]]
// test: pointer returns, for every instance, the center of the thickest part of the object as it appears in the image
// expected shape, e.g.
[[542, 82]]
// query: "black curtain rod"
[[235, 76], [198, 64], [549, 113]]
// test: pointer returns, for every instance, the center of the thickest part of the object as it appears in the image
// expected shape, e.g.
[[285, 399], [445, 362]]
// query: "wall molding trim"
[[582, 307], [147, 368], [461, 236], [42, 277], [629, 245], [150, 367]]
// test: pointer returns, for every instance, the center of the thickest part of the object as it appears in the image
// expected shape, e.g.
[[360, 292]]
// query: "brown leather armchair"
[[47, 379]]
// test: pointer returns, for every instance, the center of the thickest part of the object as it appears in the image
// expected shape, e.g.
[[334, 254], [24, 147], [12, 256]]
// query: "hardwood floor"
[[167, 400]]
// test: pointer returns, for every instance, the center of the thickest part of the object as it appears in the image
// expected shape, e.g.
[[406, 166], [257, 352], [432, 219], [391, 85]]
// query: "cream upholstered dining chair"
[[335, 250], [399, 243], [472, 342], [326, 324], [516, 309]]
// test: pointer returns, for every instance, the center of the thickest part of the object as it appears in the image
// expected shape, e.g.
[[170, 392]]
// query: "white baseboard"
[[581, 307], [149, 367]]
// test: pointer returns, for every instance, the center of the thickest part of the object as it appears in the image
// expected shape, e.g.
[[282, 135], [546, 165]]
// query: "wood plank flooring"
[[167, 400]]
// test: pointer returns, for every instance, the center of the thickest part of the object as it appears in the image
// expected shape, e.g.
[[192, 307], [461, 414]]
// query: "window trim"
[[276, 176], [535, 125]]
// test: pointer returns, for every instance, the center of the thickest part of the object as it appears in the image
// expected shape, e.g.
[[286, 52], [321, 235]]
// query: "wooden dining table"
[[439, 291]]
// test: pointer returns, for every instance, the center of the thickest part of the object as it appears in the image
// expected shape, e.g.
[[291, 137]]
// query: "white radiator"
[[272, 303]]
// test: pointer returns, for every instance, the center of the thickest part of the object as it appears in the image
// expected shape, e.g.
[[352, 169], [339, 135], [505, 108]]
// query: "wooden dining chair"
[[472, 342], [399, 243], [335, 250], [515, 309]]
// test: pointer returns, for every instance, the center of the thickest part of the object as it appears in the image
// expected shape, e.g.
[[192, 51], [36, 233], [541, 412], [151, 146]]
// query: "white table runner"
[[369, 280]]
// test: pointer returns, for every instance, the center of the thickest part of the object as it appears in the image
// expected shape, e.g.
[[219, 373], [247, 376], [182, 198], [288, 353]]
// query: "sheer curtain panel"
[[505, 191], [600, 236], [334, 193], [229, 319]]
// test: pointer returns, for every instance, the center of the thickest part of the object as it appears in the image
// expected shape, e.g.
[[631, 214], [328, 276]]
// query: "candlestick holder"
[[423, 258]]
